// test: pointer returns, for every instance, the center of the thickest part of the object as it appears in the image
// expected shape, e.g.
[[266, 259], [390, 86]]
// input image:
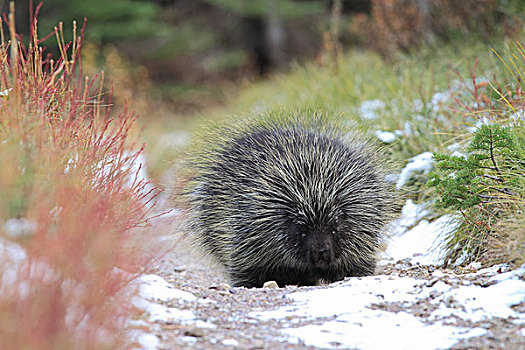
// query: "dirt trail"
[[227, 307], [222, 318]]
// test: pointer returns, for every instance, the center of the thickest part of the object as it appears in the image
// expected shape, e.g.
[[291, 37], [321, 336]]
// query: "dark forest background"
[[188, 47]]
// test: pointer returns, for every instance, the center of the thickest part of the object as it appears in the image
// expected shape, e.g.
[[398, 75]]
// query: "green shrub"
[[487, 184]]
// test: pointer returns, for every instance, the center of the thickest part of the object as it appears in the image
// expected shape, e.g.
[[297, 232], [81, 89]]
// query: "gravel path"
[[222, 319]]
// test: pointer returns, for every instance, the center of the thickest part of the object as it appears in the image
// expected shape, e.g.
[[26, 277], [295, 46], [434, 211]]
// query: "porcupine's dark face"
[[316, 225], [317, 244]]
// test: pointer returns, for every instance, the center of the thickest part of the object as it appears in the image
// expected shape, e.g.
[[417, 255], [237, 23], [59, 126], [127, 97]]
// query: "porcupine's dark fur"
[[291, 203]]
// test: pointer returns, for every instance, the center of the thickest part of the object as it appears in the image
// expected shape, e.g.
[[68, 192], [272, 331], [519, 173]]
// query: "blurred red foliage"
[[67, 170]]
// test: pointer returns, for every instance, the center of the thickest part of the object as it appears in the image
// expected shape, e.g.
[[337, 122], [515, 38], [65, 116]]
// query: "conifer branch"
[[492, 152]]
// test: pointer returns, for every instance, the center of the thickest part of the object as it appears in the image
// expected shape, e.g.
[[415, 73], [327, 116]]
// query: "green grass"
[[430, 99], [362, 76], [403, 85]]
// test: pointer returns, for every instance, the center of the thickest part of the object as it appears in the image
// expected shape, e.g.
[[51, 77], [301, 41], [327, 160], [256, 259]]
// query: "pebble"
[[194, 332], [221, 287], [270, 285], [230, 342], [178, 269], [206, 325], [189, 339]]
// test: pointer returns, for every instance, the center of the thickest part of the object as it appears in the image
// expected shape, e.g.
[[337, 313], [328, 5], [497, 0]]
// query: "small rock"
[[179, 269], [194, 332], [205, 325], [230, 342], [432, 282], [221, 287], [204, 301], [270, 285], [189, 339]]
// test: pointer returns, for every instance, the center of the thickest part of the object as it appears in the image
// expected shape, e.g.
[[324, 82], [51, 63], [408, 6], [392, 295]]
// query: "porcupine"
[[291, 202]]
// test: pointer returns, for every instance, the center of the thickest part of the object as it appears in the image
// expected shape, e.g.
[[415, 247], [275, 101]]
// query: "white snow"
[[175, 139], [483, 303], [518, 115], [474, 265], [385, 136], [369, 109], [411, 214], [12, 256], [5, 93], [511, 275], [19, 227], [148, 341], [413, 237], [418, 105], [356, 319], [438, 100], [357, 308], [455, 150], [407, 128], [188, 339], [11, 252], [420, 163], [137, 169], [153, 287], [379, 331], [422, 242]]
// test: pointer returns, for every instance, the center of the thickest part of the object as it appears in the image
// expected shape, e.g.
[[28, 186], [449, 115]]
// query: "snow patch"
[[438, 100], [397, 331], [421, 244], [420, 163], [161, 313], [418, 105], [479, 303], [19, 227], [385, 136], [188, 339], [148, 341], [5, 93], [358, 309], [411, 214], [175, 139], [369, 109], [153, 287], [455, 150]]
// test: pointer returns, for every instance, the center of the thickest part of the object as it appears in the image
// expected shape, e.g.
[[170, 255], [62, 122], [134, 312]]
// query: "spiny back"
[[263, 196]]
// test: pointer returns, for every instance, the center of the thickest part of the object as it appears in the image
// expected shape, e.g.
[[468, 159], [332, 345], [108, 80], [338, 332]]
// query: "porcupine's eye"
[[295, 229]]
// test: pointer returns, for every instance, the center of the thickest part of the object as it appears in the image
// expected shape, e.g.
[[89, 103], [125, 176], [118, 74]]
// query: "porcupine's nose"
[[322, 256]]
